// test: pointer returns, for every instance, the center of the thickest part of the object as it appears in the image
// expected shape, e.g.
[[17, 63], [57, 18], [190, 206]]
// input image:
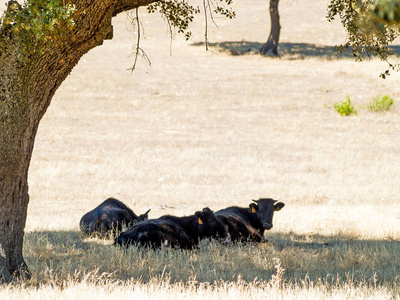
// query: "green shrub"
[[37, 23], [381, 103], [345, 107]]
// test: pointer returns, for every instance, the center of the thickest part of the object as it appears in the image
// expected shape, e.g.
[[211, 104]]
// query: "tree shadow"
[[286, 50], [59, 256], [55, 255]]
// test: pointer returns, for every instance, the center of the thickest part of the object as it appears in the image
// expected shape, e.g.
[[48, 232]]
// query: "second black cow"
[[182, 232], [249, 223], [108, 218]]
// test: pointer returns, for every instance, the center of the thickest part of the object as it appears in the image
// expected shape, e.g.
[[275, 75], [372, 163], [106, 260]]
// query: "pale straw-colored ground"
[[203, 129]]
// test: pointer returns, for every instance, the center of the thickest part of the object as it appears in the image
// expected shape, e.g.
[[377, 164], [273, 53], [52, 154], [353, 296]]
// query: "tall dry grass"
[[201, 129], [60, 255], [163, 289], [288, 266]]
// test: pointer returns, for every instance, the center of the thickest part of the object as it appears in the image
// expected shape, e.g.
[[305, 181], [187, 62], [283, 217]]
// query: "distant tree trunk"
[[271, 46], [26, 89]]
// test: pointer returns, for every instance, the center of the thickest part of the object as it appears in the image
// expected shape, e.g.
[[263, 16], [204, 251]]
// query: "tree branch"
[[138, 50], [124, 5]]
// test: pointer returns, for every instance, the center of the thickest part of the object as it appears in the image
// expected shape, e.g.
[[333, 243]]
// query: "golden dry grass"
[[201, 129]]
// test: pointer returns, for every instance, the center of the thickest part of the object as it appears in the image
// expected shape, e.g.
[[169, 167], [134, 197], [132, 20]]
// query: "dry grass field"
[[215, 129]]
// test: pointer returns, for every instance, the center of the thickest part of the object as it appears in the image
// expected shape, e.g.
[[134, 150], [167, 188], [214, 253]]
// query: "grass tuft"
[[381, 103], [345, 108]]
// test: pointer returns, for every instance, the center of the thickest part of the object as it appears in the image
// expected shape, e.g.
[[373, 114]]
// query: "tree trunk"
[[14, 200], [26, 89], [271, 46]]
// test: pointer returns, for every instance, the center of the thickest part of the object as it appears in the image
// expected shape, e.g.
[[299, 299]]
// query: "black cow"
[[182, 232], [249, 224], [108, 218]]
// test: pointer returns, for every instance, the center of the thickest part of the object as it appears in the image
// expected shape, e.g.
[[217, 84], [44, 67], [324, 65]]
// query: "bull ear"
[[145, 216], [253, 207], [206, 210], [278, 206]]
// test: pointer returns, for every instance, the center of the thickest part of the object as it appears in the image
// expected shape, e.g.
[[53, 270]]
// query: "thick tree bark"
[[14, 204], [26, 89], [271, 46]]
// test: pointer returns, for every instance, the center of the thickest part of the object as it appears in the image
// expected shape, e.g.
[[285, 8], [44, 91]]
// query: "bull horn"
[[147, 212], [254, 201]]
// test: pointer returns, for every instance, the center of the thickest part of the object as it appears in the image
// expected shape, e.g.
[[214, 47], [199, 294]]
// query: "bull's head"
[[264, 209]]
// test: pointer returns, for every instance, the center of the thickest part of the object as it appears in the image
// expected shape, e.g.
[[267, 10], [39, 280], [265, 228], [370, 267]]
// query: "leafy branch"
[[36, 23], [371, 26], [179, 14]]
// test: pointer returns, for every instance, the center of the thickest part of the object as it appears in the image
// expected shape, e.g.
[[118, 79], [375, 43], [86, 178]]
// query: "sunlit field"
[[216, 129]]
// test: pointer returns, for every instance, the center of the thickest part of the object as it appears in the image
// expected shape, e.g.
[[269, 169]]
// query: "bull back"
[[108, 219]]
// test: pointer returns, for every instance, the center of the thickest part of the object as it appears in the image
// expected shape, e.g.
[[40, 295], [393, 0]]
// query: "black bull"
[[109, 217], [183, 232], [249, 223]]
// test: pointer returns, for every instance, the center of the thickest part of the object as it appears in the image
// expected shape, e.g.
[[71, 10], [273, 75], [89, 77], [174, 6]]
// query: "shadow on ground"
[[57, 256], [285, 50]]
